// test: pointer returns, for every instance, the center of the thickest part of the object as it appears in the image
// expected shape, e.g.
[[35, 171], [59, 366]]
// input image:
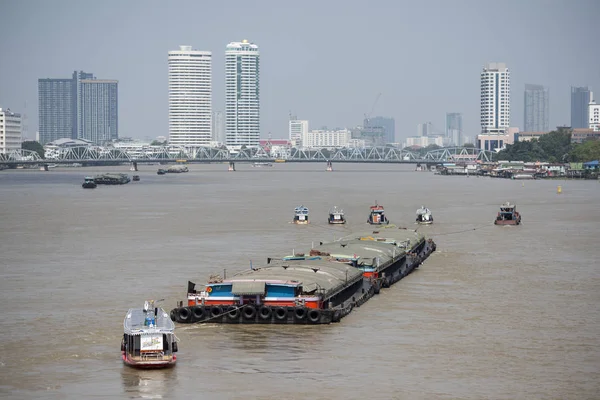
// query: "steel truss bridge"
[[95, 155]]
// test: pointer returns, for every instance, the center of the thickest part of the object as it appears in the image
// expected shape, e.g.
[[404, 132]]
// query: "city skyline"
[[536, 113], [301, 70]]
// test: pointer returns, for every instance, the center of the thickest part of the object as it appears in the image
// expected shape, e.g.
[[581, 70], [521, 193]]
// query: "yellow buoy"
[[559, 189]]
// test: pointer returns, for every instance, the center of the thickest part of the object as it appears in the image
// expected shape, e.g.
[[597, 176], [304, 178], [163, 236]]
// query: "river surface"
[[494, 313]]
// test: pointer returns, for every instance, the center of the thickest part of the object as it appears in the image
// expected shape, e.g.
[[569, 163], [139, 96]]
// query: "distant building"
[[387, 126], [326, 139], [580, 100], [495, 99], [242, 96], [298, 128], [190, 97], [594, 116], [10, 131], [537, 108], [218, 127], [579, 135], [424, 141], [82, 107], [425, 129], [454, 128], [528, 136]]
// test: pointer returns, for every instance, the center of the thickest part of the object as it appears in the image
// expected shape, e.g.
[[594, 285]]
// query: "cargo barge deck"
[[318, 287]]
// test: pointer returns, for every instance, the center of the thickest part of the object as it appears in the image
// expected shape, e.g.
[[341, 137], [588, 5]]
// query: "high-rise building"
[[387, 125], [580, 100], [98, 117], [298, 129], [242, 97], [10, 131], [537, 109], [218, 127], [190, 97], [425, 129], [594, 116], [78, 108], [495, 99], [454, 128]]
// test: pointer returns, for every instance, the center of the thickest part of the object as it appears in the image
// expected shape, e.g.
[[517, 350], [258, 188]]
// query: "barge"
[[111, 179], [318, 287]]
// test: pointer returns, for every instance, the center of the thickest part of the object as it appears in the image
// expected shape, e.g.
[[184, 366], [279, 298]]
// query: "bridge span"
[[96, 155]]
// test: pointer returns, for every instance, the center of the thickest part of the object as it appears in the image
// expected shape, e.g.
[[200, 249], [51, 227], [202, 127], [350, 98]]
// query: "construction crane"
[[368, 116]]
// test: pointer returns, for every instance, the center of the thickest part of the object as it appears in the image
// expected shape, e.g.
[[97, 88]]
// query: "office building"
[[495, 107], [190, 97], [298, 128], [242, 96], [385, 124], [78, 108], [594, 116], [454, 128], [580, 100], [425, 129], [537, 109], [10, 131], [218, 127], [326, 138]]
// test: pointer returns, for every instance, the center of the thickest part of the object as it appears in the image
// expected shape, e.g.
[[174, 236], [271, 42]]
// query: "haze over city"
[[322, 61]]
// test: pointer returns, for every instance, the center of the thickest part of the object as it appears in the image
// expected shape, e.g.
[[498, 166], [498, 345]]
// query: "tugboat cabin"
[[508, 215], [377, 216]]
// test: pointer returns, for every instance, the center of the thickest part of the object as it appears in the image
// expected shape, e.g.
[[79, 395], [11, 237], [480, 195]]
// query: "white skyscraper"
[[242, 100], [10, 131], [190, 97], [495, 99]]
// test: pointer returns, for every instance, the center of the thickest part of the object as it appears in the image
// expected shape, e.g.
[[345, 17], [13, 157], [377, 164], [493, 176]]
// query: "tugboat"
[[336, 216], [508, 215], [424, 216], [377, 216], [161, 171], [301, 215], [149, 339], [89, 183]]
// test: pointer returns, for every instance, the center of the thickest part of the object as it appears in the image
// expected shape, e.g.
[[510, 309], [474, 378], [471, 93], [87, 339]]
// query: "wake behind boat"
[[149, 339]]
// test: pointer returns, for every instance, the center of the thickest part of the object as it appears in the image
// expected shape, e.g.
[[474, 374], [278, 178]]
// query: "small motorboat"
[[424, 216], [508, 215], [377, 215], [336, 216], [329, 166], [89, 183], [149, 339], [136, 178], [161, 171], [301, 215]]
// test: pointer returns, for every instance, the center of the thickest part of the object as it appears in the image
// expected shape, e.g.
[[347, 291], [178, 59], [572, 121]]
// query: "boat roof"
[[335, 210], [301, 209], [326, 276], [376, 207], [391, 234], [134, 322]]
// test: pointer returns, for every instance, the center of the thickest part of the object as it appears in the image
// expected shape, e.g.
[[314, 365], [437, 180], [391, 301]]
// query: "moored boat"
[[336, 216], [424, 216], [262, 164], [508, 215], [177, 169], [161, 171], [88, 183], [149, 339], [136, 178], [301, 215], [377, 215]]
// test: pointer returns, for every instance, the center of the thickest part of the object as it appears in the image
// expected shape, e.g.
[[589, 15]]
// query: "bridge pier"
[[134, 166], [231, 166]]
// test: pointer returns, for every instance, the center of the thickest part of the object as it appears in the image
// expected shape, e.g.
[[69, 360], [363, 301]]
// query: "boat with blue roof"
[[301, 215]]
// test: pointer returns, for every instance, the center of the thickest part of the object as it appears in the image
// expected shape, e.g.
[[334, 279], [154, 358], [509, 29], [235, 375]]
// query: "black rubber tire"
[[337, 316], [281, 314], [300, 313], [233, 313], [314, 316], [184, 314], [249, 312], [265, 313], [216, 311], [198, 313], [173, 315]]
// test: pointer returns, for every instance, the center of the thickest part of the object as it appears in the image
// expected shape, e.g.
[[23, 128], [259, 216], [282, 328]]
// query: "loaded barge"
[[320, 287]]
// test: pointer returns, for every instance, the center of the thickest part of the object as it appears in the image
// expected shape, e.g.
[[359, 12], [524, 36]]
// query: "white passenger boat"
[[424, 216], [301, 215], [149, 339]]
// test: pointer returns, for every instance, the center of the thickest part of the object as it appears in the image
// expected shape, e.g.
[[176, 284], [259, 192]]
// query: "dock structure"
[[319, 286]]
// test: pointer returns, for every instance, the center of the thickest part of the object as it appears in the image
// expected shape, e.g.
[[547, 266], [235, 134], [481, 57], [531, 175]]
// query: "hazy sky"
[[323, 60]]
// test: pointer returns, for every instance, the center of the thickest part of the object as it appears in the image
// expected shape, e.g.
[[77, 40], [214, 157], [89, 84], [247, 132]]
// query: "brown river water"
[[494, 313]]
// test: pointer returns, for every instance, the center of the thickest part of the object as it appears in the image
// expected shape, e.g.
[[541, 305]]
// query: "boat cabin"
[[336, 216], [149, 338], [301, 215], [377, 215], [424, 215], [89, 183], [508, 215]]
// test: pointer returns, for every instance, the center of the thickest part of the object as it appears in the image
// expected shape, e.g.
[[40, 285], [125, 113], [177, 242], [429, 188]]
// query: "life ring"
[[198, 313], [265, 313], [281, 314], [249, 312], [314, 316], [233, 313], [216, 311], [184, 314], [299, 313]]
